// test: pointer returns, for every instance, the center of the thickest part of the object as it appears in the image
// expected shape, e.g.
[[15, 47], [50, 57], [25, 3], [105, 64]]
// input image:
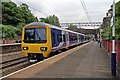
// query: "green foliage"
[[72, 27], [117, 9], [117, 20], [16, 15], [117, 29], [51, 20], [8, 13], [108, 34], [8, 32]]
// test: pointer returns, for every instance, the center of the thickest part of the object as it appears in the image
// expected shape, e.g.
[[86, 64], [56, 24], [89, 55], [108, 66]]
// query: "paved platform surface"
[[90, 61]]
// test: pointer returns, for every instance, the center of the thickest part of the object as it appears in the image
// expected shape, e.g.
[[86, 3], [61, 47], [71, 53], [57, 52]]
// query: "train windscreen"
[[35, 35]]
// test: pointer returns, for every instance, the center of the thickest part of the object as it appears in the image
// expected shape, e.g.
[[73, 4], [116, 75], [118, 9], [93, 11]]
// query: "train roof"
[[51, 26], [44, 24], [71, 31], [37, 24]]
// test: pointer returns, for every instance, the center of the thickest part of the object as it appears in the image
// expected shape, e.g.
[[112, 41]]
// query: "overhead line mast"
[[113, 53]]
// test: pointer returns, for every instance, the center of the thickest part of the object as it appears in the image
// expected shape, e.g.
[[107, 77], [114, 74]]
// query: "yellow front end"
[[37, 48]]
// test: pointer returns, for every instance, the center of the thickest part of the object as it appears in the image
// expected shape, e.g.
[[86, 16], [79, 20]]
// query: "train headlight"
[[25, 48], [43, 48]]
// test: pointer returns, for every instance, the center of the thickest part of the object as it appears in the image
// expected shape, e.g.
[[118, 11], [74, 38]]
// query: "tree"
[[117, 20], [8, 32], [26, 14], [15, 15], [108, 33], [24, 7], [72, 27], [52, 19], [117, 9], [9, 10]]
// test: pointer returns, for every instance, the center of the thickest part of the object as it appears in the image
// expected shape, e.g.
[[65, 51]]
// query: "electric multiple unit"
[[39, 40]]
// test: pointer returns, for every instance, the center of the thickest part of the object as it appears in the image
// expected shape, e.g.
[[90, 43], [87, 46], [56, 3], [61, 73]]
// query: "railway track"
[[12, 58], [12, 62]]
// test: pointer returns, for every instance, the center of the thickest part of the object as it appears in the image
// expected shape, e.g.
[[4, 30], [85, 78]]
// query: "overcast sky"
[[69, 10]]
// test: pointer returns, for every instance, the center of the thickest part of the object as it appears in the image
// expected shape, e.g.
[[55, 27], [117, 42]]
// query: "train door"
[[78, 39], [67, 39], [53, 39], [64, 38]]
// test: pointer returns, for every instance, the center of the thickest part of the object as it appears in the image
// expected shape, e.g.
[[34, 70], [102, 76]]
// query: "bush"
[[8, 32], [108, 34]]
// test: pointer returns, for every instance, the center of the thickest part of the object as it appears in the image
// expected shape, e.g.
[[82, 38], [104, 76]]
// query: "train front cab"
[[36, 42]]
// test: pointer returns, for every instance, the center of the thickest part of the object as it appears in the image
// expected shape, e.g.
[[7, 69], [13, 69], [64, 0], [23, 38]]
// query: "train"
[[40, 39]]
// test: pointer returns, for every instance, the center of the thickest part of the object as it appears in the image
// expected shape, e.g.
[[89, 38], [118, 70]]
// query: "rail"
[[12, 58], [12, 62], [8, 48]]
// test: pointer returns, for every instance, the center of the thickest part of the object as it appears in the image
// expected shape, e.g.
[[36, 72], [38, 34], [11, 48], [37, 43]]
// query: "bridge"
[[83, 24]]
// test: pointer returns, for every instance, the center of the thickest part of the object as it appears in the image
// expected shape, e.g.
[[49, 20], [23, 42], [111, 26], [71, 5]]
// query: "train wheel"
[[40, 58], [51, 54]]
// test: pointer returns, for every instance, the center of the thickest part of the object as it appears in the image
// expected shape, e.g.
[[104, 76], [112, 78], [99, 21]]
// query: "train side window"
[[75, 37], [71, 38], [53, 38], [60, 37], [63, 37]]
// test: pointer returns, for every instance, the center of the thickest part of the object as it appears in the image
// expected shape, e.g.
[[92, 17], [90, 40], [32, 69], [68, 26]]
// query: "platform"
[[87, 61]]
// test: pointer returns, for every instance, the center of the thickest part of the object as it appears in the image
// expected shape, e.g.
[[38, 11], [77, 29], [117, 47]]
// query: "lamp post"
[[113, 53]]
